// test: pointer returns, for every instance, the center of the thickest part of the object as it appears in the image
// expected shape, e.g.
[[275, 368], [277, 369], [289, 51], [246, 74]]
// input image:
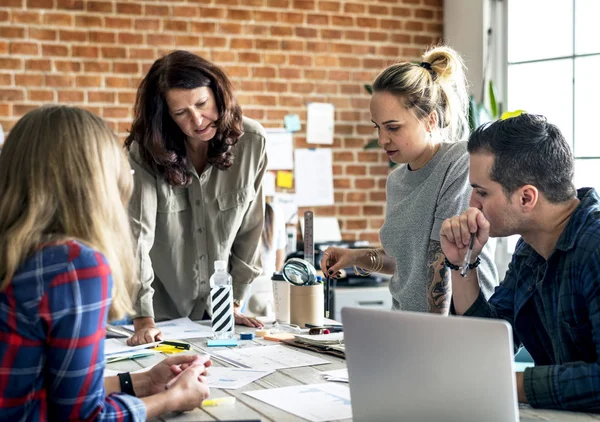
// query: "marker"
[[200, 360], [465, 266], [219, 401]]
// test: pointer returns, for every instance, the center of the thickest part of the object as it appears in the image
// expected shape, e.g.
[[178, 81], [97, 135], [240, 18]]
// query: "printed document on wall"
[[280, 147], [314, 177], [319, 123]]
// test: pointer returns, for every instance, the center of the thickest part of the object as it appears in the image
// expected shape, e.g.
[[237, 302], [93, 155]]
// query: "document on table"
[[181, 328], [319, 402], [233, 378], [337, 375], [268, 357]]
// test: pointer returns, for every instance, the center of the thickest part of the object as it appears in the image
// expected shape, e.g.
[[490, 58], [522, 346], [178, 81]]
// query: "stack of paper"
[[338, 375], [333, 341], [116, 350]]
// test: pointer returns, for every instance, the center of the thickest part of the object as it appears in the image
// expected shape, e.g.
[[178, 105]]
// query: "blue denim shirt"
[[554, 309]]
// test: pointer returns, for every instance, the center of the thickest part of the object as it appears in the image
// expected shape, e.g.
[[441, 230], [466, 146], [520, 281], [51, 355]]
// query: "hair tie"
[[427, 66]]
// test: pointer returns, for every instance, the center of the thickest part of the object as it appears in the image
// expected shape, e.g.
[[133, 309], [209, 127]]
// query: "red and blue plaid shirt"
[[52, 326]]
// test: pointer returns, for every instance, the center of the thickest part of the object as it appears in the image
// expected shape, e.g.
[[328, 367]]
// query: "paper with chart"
[[319, 123], [280, 147], [268, 357], [232, 378], [314, 177], [181, 328], [319, 402]]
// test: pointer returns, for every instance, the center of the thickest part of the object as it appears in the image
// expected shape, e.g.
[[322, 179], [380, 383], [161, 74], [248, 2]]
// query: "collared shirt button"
[[198, 202], [200, 230], [202, 257], [530, 288]]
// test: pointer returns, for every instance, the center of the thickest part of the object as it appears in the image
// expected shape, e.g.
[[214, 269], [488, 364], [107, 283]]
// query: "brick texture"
[[280, 54]]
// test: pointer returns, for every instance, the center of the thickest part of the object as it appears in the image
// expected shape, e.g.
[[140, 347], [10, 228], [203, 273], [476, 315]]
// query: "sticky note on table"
[[279, 336], [285, 179], [292, 122], [222, 342]]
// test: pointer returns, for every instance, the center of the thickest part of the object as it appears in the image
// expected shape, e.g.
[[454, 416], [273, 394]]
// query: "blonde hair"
[[437, 85], [64, 176]]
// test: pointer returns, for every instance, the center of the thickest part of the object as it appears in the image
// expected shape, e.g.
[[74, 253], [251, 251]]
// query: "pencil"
[[326, 297], [465, 267]]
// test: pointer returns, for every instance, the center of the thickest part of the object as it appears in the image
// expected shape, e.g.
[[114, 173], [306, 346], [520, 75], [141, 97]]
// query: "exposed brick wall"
[[281, 54]]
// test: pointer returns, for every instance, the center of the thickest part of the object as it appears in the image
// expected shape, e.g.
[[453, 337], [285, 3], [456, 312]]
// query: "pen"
[[465, 267], [175, 344], [219, 401]]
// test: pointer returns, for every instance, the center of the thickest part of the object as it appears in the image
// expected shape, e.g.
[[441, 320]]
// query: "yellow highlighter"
[[219, 401]]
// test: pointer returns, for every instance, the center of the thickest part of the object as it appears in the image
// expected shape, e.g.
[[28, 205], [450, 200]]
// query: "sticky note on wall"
[[285, 179]]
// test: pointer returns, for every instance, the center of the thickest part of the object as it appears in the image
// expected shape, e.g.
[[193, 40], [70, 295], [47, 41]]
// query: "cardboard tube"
[[306, 305]]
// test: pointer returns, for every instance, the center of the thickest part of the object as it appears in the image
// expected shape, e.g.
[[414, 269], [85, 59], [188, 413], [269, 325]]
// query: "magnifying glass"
[[299, 272]]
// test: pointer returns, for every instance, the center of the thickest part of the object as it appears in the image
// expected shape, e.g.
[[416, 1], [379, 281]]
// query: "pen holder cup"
[[281, 298], [306, 305]]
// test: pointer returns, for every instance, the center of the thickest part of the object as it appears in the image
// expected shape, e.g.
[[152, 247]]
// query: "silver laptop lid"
[[406, 366]]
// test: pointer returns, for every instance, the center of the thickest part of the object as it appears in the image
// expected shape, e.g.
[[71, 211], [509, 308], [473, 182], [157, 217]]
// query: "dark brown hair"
[[269, 226], [162, 143]]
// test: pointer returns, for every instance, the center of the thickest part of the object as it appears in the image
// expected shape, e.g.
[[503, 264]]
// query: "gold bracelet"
[[376, 264]]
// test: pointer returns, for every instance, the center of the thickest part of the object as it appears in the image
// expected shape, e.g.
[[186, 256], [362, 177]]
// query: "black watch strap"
[[126, 383]]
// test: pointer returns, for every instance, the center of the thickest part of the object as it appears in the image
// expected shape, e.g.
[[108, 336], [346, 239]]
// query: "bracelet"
[[126, 383], [456, 267], [376, 264]]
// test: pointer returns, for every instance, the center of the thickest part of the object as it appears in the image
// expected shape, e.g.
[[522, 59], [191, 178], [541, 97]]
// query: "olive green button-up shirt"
[[180, 231]]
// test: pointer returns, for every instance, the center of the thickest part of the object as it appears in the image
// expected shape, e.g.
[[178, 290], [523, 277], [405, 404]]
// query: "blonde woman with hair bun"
[[420, 113], [66, 266]]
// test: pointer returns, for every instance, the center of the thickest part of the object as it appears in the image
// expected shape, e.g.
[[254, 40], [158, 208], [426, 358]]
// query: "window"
[[553, 54]]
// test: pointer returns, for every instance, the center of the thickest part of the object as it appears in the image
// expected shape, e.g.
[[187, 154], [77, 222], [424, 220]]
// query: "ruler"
[[309, 242]]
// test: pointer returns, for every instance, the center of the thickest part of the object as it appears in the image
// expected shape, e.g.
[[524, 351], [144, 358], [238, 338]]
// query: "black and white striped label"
[[222, 309]]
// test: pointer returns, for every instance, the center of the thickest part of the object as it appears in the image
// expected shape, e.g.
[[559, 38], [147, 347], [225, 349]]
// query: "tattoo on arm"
[[439, 289]]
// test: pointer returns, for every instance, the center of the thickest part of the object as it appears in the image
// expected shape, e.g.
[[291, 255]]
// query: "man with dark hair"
[[521, 170]]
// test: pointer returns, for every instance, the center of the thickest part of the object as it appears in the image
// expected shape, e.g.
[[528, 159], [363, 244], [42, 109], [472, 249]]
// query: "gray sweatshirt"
[[417, 204]]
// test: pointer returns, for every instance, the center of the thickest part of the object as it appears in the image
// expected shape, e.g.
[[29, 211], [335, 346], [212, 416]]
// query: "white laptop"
[[406, 366]]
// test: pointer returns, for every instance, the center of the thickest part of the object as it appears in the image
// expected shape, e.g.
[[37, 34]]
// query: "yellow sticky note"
[[285, 179]]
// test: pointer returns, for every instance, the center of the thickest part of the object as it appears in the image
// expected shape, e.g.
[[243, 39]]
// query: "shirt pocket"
[[232, 207], [175, 200]]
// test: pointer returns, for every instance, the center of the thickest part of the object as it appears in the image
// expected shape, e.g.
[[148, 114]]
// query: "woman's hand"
[[241, 319], [145, 332], [163, 372], [335, 259], [189, 390]]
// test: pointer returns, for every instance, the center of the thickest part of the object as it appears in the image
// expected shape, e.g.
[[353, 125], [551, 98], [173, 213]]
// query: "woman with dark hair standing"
[[198, 167]]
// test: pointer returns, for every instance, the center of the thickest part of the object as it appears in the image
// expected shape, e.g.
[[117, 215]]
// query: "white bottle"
[[221, 295]]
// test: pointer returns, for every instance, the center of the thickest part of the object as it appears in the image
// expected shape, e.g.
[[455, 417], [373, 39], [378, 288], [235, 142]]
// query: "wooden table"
[[247, 407]]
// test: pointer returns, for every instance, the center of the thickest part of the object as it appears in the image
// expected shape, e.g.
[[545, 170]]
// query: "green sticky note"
[[292, 122]]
